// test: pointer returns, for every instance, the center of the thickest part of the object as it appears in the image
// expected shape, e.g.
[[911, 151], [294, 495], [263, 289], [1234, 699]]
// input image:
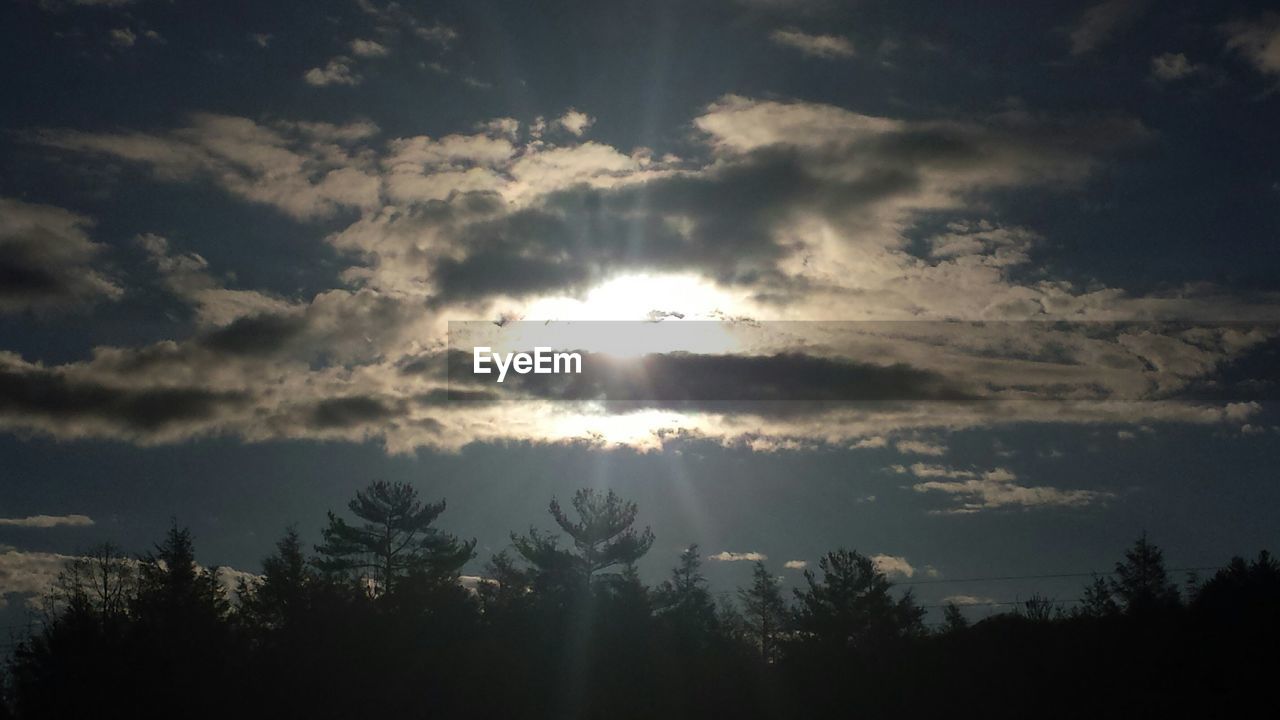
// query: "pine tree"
[[852, 607], [684, 599], [764, 611], [173, 589], [603, 537], [280, 594], [395, 541], [1140, 582], [953, 619]]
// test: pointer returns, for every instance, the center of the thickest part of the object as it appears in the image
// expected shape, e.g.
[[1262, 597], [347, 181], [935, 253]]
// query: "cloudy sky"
[[984, 291]]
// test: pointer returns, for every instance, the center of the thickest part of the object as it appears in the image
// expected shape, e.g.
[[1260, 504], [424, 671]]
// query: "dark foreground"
[[376, 624]]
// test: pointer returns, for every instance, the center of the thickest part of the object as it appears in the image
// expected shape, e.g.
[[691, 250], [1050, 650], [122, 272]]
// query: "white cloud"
[[48, 521], [975, 491], [821, 46], [368, 48], [726, 556], [28, 574], [898, 566], [795, 564], [338, 71], [920, 447], [875, 441], [576, 122], [288, 167], [963, 600]]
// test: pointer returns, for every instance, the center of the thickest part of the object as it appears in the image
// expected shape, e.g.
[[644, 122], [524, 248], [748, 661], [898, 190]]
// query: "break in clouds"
[[780, 210]]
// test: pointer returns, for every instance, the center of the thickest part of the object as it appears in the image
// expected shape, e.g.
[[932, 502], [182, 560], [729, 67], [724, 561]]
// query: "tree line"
[[377, 623]]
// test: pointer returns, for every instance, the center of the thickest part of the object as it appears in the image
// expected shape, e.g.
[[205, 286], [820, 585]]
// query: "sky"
[[981, 290]]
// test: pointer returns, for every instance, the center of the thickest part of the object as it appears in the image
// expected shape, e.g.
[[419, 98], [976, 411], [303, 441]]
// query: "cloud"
[[576, 122], [781, 209], [31, 575], [122, 37], [795, 564], [1172, 66], [28, 574], [726, 556], [33, 396], [974, 491], [827, 47], [963, 600], [188, 277], [1258, 41], [47, 261], [288, 166], [368, 48], [392, 17], [338, 71], [920, 447], [897, 566], [48, 521], [1101, 22]]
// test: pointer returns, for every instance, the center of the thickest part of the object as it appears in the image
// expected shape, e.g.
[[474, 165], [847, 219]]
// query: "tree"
[[395, 542], [764, 611], [852, 607], [684, 599], [1037, 608], [953, 619], [603, 537], [101, 583], [173, 589], [1140, 582], [1098, 600], [280, 594], [1244, 592]]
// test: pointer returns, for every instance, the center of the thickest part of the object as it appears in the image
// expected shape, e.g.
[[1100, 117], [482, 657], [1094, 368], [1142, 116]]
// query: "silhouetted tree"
[[1097, 600], [852, 606], [1244, 592], [764, 611], [174, 590], [603, 537], [282, 591], [1037, 608], [1140, 583], [953, 619], [101, 582], [684, 601], [395, 541]]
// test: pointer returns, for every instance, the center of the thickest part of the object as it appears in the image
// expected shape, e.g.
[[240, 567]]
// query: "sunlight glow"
[[640, 297]]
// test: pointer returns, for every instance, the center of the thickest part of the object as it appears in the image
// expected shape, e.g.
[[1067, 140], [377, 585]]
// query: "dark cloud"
[[32, 393], [351, 412], [693, 378], [46, 259], [255, 335]]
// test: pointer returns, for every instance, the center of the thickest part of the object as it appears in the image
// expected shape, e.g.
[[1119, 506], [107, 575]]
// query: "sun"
[[639, 297]]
